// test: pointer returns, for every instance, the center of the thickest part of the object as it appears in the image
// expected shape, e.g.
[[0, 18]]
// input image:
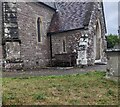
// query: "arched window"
[[64, 46], [98, 41], [39, 29]]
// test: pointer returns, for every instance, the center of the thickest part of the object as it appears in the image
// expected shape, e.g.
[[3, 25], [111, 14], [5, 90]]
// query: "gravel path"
[[54, 71]]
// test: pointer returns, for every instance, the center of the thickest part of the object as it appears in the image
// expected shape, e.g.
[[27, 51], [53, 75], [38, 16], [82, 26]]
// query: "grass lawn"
[[79, 89]]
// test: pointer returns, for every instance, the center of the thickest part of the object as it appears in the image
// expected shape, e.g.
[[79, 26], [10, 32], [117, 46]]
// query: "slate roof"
[[49, 4], [71, 15]]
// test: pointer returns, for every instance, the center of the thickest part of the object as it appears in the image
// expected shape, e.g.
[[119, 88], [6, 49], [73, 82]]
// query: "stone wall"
[[0, 32], [0, 23], [0, 53], [71, 39], [97, 15], [33, 53]]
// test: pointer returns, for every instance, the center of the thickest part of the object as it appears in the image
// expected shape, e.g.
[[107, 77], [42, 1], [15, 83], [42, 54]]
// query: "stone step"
[[99, 62]]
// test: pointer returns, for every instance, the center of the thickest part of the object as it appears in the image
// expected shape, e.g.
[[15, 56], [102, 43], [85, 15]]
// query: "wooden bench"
[[65, 59]]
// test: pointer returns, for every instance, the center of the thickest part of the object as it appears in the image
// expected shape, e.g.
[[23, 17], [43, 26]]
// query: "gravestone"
[[113, 57]]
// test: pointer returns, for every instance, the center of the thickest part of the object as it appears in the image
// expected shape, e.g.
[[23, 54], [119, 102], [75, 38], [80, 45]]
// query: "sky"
[[111, 16]]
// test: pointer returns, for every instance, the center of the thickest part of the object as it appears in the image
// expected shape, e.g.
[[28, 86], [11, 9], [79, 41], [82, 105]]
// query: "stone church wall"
[[33, 53], [96, 15], [71, 39], [0, 31]]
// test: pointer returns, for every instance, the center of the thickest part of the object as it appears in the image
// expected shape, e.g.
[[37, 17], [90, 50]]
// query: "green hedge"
[[112, 40]]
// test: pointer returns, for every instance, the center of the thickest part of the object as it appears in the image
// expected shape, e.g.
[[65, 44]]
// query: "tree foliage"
[[112, 40]]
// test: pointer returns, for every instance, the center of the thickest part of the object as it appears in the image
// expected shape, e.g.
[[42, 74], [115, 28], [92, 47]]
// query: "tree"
[[112, 40]]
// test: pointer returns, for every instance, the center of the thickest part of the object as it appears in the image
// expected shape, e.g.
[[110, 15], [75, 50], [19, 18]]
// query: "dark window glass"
[[38, 29], [64, 46]]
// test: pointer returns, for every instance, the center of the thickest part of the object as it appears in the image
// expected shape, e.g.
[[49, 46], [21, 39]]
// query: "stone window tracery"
[[10, 20]]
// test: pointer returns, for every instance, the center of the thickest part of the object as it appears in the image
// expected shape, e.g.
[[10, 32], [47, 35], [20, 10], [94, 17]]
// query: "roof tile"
[[71, 15]]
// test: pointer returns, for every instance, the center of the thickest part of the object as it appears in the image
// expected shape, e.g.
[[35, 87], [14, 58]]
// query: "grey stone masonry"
[[113, 63], [71, 39], [95, 31], [35, 33], [97, 19], [34, 53], [0, 23], [0, 31]]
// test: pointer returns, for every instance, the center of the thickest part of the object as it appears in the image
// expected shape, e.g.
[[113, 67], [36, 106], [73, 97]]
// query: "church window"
[[39, 29], [64, 46]]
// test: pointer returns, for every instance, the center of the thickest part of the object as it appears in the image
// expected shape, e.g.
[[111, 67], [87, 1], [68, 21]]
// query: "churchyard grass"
[[79, 89]]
